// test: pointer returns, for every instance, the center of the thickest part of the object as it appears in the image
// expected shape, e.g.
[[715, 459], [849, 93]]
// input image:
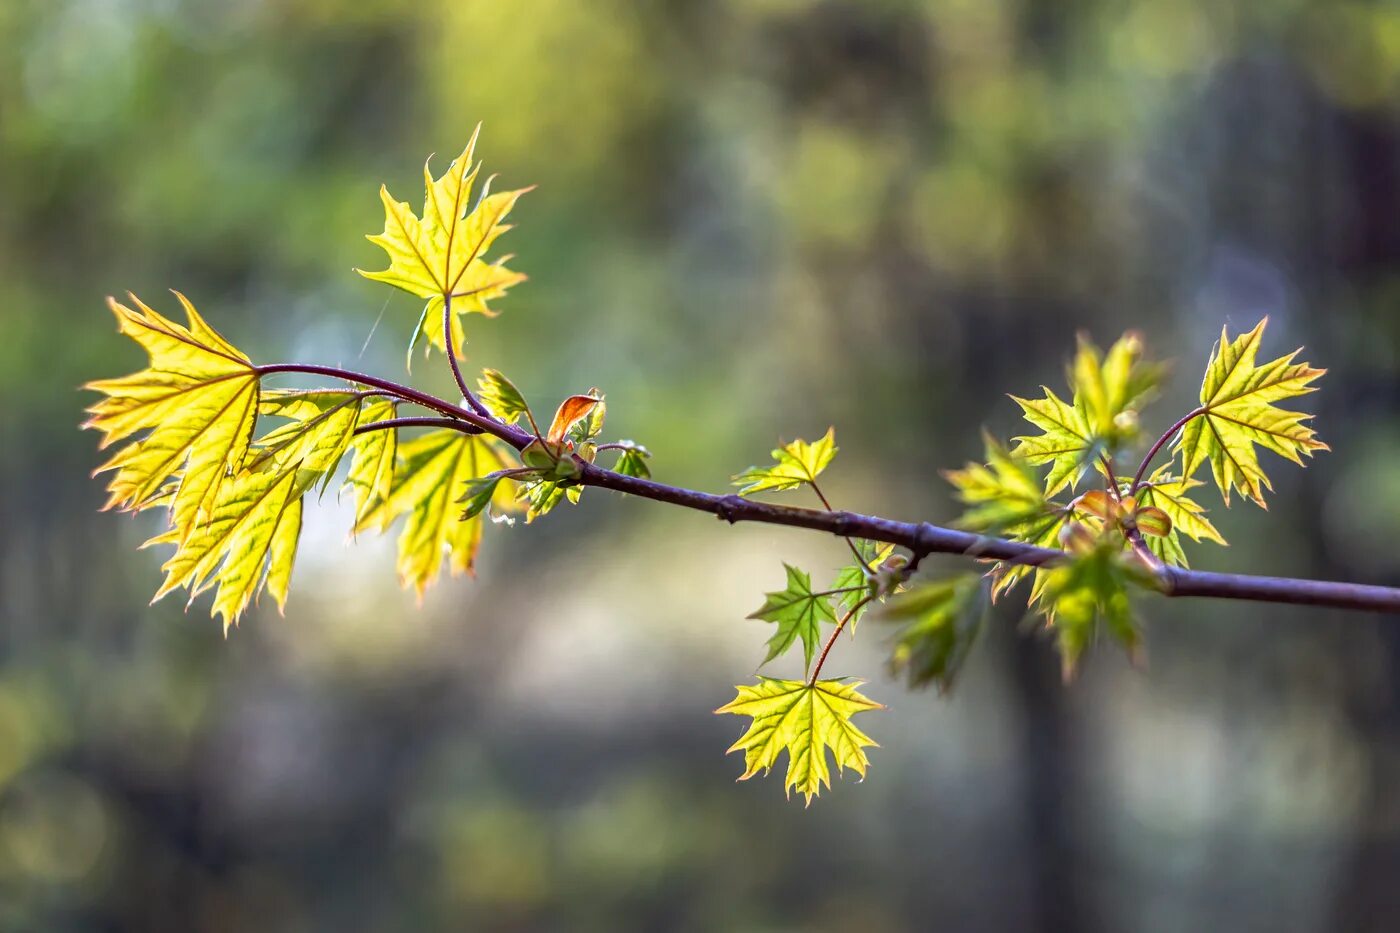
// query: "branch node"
[[729, 506]]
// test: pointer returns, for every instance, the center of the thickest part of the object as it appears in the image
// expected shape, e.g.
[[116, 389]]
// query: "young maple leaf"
[[1238, 411], [804, 720], [250, 538], [431, 472], [798, 612], [1171, 494], [1108, 390], [193, 407], [440, 255], [793, 465], [941, 620]]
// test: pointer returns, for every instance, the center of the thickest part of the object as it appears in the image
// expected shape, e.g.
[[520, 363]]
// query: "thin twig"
[[1152, 451], [831, 639]]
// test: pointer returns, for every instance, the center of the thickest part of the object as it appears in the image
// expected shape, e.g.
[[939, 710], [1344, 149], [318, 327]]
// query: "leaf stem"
[[448, 342], [831, 639], [860, 559], [389, 424], [1152, 451]]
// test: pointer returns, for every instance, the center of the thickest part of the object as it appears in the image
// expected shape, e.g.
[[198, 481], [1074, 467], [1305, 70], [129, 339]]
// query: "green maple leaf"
[[1005, 497], [188, 416], [793, 465], [440, 254], [429, 476], [501, 396], [1087, 594], [632, 461], [798, 612], [805, 720], [939, 623], [249, 540], [1238, 413], [857, 585], [1108, 392], [1171, 494]]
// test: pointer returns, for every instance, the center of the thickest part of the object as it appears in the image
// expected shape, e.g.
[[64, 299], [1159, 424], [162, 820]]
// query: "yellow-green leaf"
[[1067, 440], [429, 477], [793, 465], [804, 720], [1005, 498], [371, 472], [798, 612], [501, 396], [249, 539], [1087, 594], [441, 255], [1171, 494], [1238, 413], [191, 412], [938, 625]]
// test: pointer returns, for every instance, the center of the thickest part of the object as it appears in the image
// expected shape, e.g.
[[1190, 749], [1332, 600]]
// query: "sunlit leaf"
[[804, 720], [1171, 494], [858, 585], [1238, 412], [371, 472], [938, 625], [798, 612], [1067, 442], [189, 414], [1006, 498], [250, 537], [501, 396], [633, 460], [793, 465], [571, 411], [1086, 594], [430, 475], [441, 254], [1107, 392]]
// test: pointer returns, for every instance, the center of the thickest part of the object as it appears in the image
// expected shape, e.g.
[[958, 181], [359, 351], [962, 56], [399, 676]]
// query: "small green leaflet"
[[939, 623], [798, 613], [501, 396], [804, 720], [479, 494], [793, 465], [633, 460], [1238, 412], [856, 585]]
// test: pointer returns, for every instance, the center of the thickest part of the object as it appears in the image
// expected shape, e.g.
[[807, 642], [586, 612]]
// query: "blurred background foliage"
[[755, 218]]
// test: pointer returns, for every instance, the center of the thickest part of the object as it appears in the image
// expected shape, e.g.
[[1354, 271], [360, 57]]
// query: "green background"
[[754, 219]]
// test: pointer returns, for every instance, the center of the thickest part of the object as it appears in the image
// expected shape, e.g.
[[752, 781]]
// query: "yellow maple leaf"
[[1238, 412], [441, 254], [431, 473], [191, 412], [803, 719], [249, 540]]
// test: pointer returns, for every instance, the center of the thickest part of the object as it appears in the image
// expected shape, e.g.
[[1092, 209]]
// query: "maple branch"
[[920, 538], [924, 538], [447, 342], [1152, 451]]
